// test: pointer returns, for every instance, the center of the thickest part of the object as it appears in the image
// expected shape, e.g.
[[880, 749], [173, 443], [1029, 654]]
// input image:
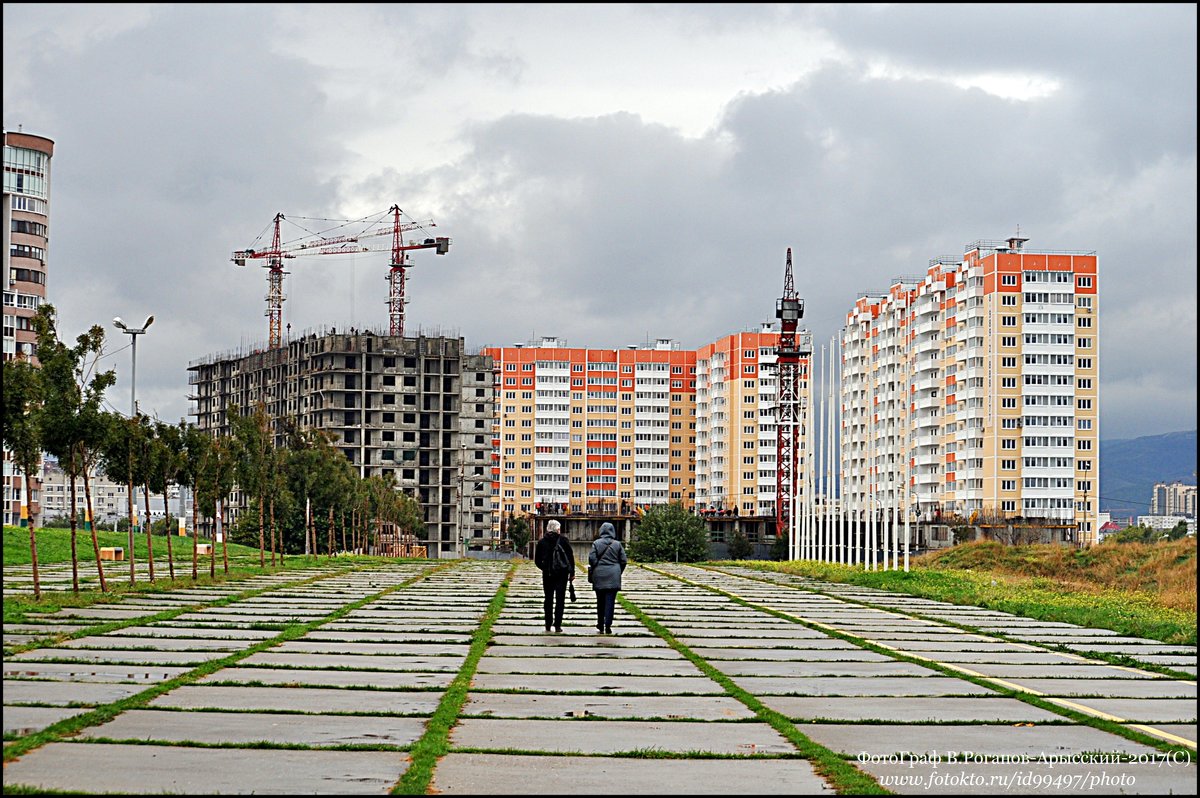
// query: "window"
[[1084, 343], [1084, 423], [1008, 279], [1084, 404], [1008, 382], [1083, 301], [1008, 465], [1008, 484], [1085, 282], [1008, 340], [1008, 321], [1008, 362], [1008, 443], [1008, 300], [1084, 321]]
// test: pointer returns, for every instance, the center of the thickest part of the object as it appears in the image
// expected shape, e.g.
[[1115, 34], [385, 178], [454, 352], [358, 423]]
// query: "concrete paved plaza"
[[321, 681]]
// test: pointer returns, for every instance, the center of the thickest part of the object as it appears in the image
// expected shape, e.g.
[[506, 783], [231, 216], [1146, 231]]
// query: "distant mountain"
[[1129, 469]]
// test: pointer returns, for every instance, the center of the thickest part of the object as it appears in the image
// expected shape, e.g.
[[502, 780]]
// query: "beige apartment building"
[[971, 394]]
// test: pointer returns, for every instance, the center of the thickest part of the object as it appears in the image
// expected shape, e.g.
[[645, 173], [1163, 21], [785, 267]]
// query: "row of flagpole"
[[825, 526]]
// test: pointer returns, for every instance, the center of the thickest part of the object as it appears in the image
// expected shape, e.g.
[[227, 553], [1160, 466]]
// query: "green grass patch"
[[1132, 613], [841, 774], [435, 742], [54, 546]]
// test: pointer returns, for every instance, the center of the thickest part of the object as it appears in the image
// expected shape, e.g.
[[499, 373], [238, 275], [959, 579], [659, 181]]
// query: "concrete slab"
[[1006, 658], [354, 661], [612, 736], [641, 667], [136, 642], [27, 720], [1062, 671], [1146, 710], [1032, 778], [54, 693], [249, 727], [479, 774], [507, 705], [882, 666], [1184, 730], [577, 640], [377, 636], [646, 685], [199, 632], [860, 686], [1032, 741], [301, 699], [782, 645], [790, 655], [331, 678], [147, 769], [109, 656], [90, 672], [306, 646], [910, 709], [599, 651], [1111, 688]]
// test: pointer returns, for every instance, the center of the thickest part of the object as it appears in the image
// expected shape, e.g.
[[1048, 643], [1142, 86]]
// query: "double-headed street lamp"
[[133, 334]]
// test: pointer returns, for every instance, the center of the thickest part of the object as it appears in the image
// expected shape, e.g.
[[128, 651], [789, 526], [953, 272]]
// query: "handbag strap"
[[600, 556]]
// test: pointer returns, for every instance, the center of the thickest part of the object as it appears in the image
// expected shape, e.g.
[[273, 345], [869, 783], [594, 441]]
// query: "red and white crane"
[[789, 309], [367, 235]]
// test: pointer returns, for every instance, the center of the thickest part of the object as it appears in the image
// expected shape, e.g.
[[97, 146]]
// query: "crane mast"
[[789, 309]]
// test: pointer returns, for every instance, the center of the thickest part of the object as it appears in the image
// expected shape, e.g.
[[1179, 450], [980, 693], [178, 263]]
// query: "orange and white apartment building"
[[593, 430], [614, 430], [736, 437], [972, 392]]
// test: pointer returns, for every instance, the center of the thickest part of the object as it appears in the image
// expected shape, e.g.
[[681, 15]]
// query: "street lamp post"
[[133, 334]]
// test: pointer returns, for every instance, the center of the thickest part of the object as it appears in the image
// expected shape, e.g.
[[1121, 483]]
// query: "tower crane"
[[789, 309], [344, 243]]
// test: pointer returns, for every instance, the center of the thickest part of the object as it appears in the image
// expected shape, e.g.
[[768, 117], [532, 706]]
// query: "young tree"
[[165, 451], [196, 463], [255, 445], [75, 425], [23, 436], [518, 532], [670, 533], [121, 463]]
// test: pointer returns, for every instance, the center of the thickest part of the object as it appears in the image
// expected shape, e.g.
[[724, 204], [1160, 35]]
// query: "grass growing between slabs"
[[1047, 583], [841, 775], [71, 726], [1050, 704], [435, 742]]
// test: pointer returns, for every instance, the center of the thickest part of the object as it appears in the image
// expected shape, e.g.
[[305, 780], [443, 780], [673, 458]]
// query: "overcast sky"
[[609, 174]]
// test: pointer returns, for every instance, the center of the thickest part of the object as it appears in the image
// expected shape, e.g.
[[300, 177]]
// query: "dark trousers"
[[606, 602], [554, 587]]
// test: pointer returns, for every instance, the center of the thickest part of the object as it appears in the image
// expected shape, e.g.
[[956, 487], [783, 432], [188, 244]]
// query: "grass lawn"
[[1141, 590], [54, 546]]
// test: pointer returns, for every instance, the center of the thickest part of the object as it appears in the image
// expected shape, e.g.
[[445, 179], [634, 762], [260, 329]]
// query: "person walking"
[[606, 563], [554, 557]]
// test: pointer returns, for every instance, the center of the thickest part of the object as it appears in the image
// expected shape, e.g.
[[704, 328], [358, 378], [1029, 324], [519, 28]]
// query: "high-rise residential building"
[[1173, 498], [593, 430], [26, 233], [973, 393], [417, 408], [736, 436]]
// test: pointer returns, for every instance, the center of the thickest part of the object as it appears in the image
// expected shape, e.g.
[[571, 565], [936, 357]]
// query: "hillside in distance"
[[1129, 468]]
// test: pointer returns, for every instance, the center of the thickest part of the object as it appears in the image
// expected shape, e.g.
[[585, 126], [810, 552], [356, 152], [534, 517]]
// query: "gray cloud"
[[180, 134]]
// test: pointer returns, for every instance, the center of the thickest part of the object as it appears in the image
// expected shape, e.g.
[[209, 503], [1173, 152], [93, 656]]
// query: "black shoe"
[[558, 629], [608, 630], [547, 627], [599, 629]]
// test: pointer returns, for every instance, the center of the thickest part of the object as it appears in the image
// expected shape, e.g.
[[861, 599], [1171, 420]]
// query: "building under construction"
[[419, 408]]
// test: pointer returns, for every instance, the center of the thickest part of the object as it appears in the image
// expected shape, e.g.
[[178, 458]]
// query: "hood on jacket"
[[607, 530]]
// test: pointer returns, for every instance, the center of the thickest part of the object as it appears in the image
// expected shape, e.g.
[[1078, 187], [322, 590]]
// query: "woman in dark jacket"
[[606, 562]]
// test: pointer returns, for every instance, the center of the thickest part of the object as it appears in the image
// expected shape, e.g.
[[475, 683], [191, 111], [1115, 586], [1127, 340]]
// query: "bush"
[[739, 546], [669, 533]]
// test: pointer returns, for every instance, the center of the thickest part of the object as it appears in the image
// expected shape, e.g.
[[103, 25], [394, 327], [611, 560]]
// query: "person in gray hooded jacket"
[[606, 562]]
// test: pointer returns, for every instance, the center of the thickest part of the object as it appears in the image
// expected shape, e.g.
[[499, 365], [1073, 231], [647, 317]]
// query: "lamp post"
[[133, 334]]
